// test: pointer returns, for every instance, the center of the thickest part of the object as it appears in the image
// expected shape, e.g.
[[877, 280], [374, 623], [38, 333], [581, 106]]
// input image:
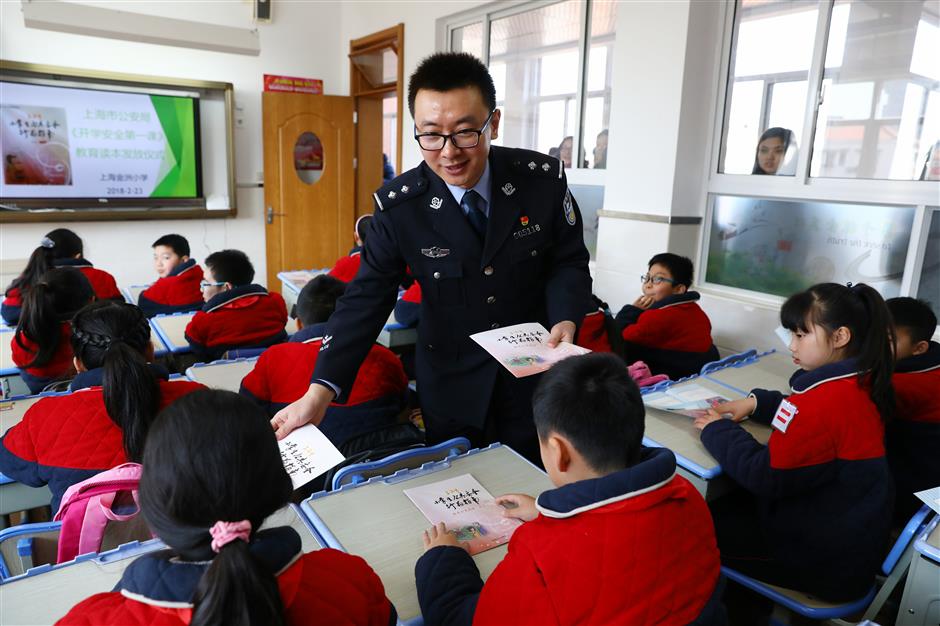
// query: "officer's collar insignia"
[[531, 165], [546, 167], [404, 188], [524, 220], [436, 202], [391, 195], [435, 252], [568, 206], [508, 189]]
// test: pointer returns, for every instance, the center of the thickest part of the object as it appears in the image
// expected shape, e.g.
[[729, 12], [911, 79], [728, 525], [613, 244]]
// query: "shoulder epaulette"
[[410, 184], [536, 164]]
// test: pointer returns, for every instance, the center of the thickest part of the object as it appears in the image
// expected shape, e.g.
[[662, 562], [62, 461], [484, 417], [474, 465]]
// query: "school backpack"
[[88, 506]]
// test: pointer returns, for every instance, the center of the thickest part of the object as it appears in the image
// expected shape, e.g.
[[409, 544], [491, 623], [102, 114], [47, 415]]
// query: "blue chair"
[[25, 546], [894, 568], [406, 459], [244, 353]]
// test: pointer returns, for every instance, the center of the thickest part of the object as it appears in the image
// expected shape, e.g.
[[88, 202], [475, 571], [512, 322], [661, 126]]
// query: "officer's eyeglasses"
[[461, 139], [656, 280], [205, 284]]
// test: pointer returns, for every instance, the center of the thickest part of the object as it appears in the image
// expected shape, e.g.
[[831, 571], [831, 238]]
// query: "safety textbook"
[[468, 511], [523, 348], [307, 453]]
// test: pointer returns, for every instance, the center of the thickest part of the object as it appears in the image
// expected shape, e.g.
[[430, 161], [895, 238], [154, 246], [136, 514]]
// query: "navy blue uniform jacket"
[[533, 267]]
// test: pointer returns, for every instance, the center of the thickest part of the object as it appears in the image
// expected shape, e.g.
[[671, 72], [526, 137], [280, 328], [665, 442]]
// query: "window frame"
[[488, 13], [922, 195]]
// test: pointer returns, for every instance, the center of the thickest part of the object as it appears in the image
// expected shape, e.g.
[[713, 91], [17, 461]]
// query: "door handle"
[[269, 215]]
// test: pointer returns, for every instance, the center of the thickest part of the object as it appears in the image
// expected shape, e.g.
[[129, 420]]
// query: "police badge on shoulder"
[[568, 206]]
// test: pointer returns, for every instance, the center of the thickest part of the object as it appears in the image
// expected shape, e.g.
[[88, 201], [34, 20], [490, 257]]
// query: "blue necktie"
[[472, 202]]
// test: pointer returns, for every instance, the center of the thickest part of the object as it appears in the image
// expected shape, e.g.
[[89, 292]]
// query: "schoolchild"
[[282, 373], [913, 438], [665, 327], [621, 539], [41, 347], [177, 287], [347, 267], [815, 509], [408, 307], [236, 313], [212, 474], [59, 248], [65, 439]]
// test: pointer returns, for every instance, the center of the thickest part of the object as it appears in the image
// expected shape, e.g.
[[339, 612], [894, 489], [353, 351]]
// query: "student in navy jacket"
[[178, 287], [347, 267], [914, 437], [818, 497], [212, 475], [282, 373], [103, 423], [622, 539], [41, 347], [59, 248], [665, 327], [236, 313]]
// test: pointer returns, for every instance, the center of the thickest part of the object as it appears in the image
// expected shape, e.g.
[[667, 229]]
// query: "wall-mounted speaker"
[[262, 10]]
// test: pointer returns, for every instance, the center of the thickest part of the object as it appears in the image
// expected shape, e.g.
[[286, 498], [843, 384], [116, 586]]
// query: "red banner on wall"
[[294, 84]]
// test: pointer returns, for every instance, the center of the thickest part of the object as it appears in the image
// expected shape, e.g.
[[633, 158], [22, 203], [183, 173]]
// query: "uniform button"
[[488, 270], [494, 325], [430, 347], [535, 253], [437, 275], [491, 300]]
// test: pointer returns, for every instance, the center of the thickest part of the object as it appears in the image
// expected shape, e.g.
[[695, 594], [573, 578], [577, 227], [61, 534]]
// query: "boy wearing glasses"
[[177, 288], [493, 238], [665, 327], [236, 313]]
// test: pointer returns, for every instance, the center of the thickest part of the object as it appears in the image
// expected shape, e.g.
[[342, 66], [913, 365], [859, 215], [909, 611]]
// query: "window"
[[551, 63], [827, 150]]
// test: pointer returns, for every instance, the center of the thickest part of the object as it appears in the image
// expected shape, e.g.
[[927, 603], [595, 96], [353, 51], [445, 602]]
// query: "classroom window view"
[[535, 59], [877, 88]]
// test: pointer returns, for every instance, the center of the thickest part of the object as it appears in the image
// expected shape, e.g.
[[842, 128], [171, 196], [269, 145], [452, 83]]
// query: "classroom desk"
[[132, 293], [42, 598], [171, 329], [293, 282], [221, 374], [679, 434], [920, 604], [16, 496], [767, 371], [378, 522], [394, 335]]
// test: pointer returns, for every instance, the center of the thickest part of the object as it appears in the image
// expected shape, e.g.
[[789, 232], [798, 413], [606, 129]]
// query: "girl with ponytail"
[[212, 474], [117, 393], [816, 510], [41, 348], [59, 248]]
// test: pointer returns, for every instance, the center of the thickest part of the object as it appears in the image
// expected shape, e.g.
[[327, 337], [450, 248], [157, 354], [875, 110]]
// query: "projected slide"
[[79, 143]]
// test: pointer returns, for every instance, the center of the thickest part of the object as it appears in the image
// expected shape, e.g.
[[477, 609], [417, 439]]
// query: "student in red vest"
[[282, 373], [117, 393], [41, 347], [347, 267], [914, 437], [212, 475], [177, 288], [59, 248], [665, 327], [622, 539], [408, 307], [236, 313], [815, 509]]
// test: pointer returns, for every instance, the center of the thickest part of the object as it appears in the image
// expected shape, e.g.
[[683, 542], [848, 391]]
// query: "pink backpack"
[[86, 509]]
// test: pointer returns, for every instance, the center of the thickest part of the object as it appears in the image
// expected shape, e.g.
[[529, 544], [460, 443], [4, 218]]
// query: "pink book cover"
[[468, 511], [523, 348]]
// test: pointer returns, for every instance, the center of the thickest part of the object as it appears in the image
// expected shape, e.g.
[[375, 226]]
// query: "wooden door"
[[309, 180]]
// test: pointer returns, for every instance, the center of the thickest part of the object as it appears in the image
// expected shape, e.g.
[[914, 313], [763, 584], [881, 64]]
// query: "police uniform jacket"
[[532, 267]]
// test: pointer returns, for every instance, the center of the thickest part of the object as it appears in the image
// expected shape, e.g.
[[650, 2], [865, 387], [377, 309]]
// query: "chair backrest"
[[89, 507], [914, 527], [41, 540], [406, 459]]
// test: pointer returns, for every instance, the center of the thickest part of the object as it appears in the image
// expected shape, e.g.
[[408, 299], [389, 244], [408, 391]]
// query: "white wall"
[[302, 40]]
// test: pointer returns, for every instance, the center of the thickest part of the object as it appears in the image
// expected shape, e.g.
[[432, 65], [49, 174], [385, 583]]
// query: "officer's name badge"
[[784, 415], [525, 232], [435, 252]]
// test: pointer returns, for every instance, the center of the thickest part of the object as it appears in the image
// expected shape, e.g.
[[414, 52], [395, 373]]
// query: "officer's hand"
[[562, 331], [309, 408]]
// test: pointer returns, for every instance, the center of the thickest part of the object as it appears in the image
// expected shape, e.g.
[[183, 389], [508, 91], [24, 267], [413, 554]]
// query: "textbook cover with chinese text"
[[523, 348], [467, 509]]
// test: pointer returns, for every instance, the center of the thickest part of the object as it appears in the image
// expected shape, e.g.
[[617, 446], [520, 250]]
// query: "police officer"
[[494, 238]]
